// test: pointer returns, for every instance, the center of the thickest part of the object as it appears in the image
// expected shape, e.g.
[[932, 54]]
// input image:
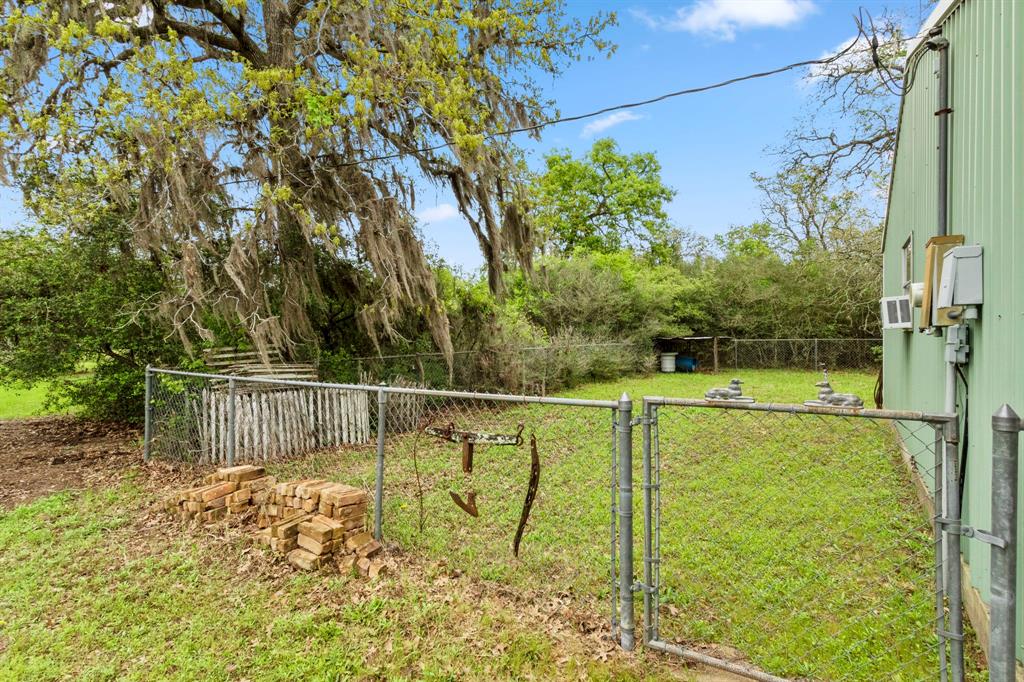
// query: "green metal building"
[[985, 204]]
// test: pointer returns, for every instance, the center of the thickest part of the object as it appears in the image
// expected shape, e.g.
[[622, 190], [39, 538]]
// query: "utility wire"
[[872, 47]]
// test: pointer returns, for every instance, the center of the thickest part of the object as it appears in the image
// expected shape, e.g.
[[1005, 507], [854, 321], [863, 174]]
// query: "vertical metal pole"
[[147, 437], [626, 623], [816, 363], [648, 633], [378, 500], [1002, 659], [231, 422], [951, 490], [940, 594], [613, 523]]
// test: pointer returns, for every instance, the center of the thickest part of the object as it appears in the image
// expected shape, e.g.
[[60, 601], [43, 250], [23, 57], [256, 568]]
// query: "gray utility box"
[[960, 287], [961, 277]]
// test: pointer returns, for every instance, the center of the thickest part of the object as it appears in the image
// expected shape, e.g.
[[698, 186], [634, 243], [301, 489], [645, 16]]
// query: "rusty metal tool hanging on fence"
[[471, 438], [469, 506], [531, 493]]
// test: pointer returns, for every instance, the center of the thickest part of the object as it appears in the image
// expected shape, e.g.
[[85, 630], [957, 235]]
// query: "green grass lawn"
[[17, 402], [793, 543]]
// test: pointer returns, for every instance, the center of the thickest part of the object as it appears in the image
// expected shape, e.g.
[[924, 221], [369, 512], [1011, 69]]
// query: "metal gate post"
[[951, 489], [378, 502], [147, 436], [940, 595], [626, 622], [648, 586], [231, 422], [1002, 659]]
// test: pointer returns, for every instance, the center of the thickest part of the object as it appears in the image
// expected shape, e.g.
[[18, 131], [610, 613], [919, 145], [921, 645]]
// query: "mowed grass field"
[[17, 402], [796, 545]]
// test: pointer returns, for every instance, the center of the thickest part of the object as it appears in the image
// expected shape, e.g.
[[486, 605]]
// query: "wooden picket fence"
[[274, 422]]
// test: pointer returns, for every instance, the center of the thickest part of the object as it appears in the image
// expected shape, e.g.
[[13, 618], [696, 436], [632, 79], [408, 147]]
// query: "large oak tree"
[[250, 139]]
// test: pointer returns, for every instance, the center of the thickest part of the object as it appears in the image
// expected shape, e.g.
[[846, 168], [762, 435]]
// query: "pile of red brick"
[[233, 490], [317, 521], [314, 522]]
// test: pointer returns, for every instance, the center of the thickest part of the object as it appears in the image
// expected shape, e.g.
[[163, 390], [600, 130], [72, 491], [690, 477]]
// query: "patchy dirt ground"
[[43, 455]]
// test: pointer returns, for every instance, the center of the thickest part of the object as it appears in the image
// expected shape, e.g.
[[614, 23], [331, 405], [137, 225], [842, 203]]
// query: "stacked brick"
[[313, 522], [316, 522], [232, 490]]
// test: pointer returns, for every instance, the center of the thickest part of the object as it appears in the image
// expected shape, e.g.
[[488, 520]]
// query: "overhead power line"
[[821, 61]]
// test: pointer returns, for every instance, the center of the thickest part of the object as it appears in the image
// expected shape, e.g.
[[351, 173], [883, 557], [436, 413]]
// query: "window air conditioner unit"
[[897, 312]]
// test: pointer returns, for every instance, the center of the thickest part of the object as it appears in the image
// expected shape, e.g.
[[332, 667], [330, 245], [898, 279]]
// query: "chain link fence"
[[209, 419], [448, 473], [779, 541], [542, 370], [859, 354], [537, 370], [790, 543]]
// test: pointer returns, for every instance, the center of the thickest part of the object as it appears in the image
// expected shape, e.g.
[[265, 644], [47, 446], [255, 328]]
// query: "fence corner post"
[[378, 500], [1006, 426], [626, 622], [147, 434], [232, 433]]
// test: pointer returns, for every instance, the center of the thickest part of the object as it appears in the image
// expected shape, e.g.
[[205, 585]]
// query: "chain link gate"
[[824, 589]]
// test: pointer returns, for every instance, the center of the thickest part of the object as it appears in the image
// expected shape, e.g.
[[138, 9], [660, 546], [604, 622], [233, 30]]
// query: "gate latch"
[[951, 526]]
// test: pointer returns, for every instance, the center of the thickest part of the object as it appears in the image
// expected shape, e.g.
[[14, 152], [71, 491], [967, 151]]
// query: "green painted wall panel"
[[986, 205]]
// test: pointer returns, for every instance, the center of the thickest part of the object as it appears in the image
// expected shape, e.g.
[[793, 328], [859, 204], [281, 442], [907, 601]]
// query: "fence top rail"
[[427, 392], [903, 415], [808, 338]]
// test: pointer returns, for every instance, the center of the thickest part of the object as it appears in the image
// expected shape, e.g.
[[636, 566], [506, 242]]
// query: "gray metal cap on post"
[[1002, 656]]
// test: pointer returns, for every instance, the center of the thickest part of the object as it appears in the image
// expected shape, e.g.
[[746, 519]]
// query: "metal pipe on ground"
[[712, 662]]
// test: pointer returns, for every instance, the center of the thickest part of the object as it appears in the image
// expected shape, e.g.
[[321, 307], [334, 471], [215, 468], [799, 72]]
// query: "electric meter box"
[[960, 284]]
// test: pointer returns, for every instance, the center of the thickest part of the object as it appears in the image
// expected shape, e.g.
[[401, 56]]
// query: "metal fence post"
[[378, 502], [231, 422], [951, 489], [626, 622], [940, 594], [147, 434], [648, 633], [1002, 659]]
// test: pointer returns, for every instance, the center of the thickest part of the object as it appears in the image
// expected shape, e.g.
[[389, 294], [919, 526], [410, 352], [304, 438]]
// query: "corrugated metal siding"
[[987, 206]]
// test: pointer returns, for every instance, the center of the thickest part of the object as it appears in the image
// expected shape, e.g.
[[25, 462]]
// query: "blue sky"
[[708, 143]]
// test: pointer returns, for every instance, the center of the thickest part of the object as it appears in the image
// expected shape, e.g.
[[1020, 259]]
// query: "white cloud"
[[722, 19], [437, 214], [605, 122]]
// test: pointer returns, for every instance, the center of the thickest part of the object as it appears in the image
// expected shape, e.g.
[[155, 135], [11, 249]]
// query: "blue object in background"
[[685, 363]]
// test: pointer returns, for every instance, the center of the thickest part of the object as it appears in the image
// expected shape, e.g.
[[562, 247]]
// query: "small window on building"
[[907, 264]]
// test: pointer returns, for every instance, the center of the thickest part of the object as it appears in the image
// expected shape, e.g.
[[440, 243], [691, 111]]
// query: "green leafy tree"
[[810, 268], [251, 139], [82, 300], [603, 202]]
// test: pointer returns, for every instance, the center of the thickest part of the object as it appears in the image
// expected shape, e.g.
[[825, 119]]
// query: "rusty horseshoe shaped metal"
[[531, 494]]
